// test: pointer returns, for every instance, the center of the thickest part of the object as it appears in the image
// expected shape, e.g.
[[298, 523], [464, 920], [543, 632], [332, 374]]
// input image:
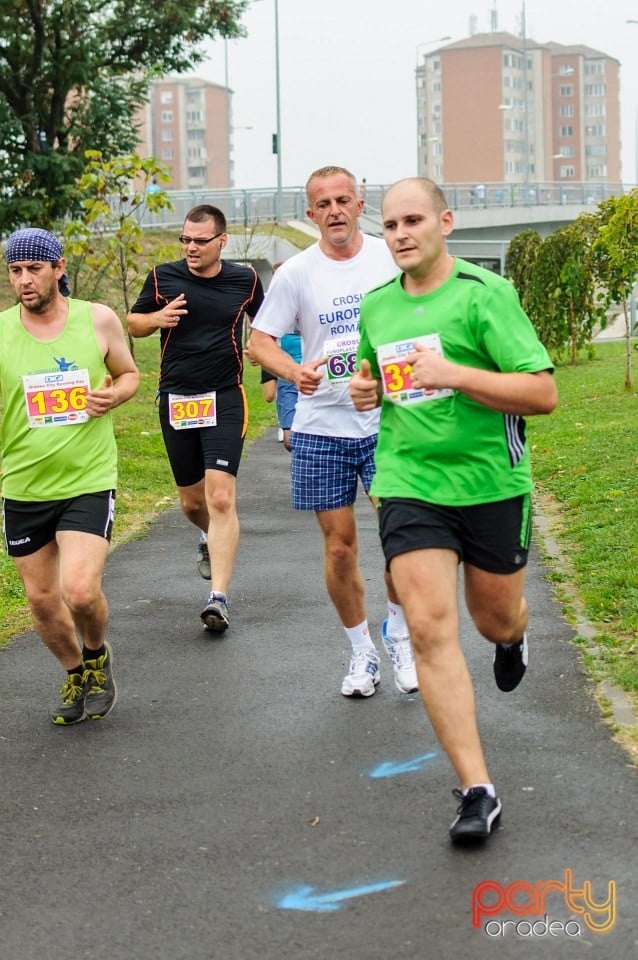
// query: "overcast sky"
[[346, 68]]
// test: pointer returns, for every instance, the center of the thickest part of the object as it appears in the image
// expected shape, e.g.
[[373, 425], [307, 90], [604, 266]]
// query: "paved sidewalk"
[[235, 807]]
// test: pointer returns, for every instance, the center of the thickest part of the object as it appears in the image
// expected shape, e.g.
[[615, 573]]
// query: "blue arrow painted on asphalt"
[[304, 898], [408, 766]]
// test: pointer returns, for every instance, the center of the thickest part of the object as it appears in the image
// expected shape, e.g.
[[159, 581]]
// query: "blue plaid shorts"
[[325, 470]]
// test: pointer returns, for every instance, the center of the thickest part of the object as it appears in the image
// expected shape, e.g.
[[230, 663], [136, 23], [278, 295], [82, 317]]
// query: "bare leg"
[[341, 563], [193, 503], [211, 505], [63, 586], [427, 583], [496, 603], [223, 527]]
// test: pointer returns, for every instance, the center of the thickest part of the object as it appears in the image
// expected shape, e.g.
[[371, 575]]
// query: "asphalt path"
[[235, 807]]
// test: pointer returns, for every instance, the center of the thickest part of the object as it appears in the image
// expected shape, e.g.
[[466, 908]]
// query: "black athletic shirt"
[[204, 351]]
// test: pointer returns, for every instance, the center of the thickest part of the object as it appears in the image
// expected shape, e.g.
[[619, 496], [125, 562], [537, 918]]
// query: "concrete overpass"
[[487, 216]]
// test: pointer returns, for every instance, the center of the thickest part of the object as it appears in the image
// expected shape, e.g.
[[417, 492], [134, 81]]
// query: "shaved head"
[[428, 188]]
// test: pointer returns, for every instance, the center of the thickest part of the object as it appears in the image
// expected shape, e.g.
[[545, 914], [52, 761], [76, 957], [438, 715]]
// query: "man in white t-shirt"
[[319, 291]]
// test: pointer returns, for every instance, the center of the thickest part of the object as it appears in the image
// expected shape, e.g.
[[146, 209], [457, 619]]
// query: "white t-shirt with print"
[[321, 297]]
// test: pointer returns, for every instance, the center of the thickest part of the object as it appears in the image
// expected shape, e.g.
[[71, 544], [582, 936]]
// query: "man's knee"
[[82, 598], [220, 496], [494, 626], [44, 603], [192, 502]]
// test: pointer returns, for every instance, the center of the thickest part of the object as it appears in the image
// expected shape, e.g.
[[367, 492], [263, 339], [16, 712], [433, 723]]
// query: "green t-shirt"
[[451, 450], [60, 458]]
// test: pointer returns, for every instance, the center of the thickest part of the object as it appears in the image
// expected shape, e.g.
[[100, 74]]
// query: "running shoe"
[[510, 663], [402, 657], [215, 614], [476, 815], [203, 559], [71, 709], [363, 676], [101, 691]]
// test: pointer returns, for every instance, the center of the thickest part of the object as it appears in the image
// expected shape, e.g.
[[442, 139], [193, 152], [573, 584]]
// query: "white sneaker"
[[363, 676], [402, 657]]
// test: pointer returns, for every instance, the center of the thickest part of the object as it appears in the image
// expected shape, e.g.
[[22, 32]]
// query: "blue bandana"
[[34, 244]]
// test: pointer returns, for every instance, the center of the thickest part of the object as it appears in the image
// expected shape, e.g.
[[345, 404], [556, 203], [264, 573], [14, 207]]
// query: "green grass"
[[585, 458]]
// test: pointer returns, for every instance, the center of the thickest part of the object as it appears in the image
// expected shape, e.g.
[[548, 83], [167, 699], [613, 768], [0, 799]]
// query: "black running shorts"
[[491, 536], [29, 526], [193, 451]]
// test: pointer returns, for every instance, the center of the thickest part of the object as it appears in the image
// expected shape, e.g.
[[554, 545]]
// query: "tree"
[[109, 239], [72, 74], [521, 258], [562, 297], [616, 252]]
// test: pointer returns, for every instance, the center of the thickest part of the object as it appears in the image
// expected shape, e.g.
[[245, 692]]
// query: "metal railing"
[[260, 205]]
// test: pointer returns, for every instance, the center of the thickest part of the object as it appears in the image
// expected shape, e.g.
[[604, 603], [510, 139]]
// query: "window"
[[566, 132], [594, 89], [166, 96], [167, 116], [167, 153], [566, 110], [566, 90], [167, 135], [567, 172]]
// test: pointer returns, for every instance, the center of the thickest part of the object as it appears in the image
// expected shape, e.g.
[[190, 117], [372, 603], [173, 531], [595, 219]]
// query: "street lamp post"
[[278, 211], [525, 103], [227, 94]]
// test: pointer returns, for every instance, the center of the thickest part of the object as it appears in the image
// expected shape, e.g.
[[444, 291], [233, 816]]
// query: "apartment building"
[[187, 125], [497, 107]]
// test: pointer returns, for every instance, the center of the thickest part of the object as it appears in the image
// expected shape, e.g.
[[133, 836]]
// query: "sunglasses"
[[199, 241]]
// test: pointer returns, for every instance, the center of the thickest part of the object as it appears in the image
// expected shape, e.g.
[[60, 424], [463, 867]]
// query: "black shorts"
[[491, 536], [29, 526], [193, 451]]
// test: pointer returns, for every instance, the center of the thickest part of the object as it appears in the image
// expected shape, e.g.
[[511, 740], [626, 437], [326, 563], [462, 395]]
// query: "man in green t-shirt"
[[454, 363], [64, 365]]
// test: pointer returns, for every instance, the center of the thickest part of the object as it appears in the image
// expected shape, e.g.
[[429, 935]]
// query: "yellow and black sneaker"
[[100, 690], [71, 709]]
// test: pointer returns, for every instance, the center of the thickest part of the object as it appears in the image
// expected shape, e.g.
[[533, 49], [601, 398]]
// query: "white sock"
[[488, 787], [360, 639], [397, 627]]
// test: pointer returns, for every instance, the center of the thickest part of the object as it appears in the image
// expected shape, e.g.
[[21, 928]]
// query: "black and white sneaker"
[[476, 815], [510, 663]]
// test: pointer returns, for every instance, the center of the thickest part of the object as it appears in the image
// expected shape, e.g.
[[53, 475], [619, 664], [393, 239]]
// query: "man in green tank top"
[[455, 364], [64, 365]]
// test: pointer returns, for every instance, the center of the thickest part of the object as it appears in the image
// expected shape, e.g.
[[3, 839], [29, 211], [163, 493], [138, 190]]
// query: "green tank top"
[[60, 458]]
